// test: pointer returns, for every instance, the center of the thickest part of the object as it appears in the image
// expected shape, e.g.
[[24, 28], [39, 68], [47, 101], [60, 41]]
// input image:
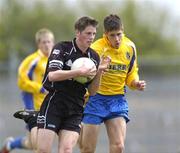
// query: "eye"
[[112, 35], [119, 34]]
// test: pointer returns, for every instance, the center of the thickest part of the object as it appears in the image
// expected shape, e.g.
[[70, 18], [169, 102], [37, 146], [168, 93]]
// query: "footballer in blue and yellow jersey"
[[123, 68], [30, 76], [109, 105]]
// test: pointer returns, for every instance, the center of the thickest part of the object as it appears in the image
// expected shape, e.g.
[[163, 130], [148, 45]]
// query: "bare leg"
[[67, 140], [34, 139], [26, 143], [89, 138], [116, 129], [45, 140]]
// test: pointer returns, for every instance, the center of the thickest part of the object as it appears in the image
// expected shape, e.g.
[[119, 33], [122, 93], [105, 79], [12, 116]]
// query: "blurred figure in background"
[[109, 105], [30, 75]]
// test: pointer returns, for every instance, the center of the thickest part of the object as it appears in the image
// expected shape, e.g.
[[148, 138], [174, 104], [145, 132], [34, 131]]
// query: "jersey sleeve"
[[56, 59], [133, 68], [25, 72]]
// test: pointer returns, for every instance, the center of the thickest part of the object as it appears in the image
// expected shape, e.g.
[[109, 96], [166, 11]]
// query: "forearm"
[[131, 78], [103, 66], [60, 75], [94, 86]]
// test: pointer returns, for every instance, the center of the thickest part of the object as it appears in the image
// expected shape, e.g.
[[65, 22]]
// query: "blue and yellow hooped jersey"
[[30, 75], [122, 69]]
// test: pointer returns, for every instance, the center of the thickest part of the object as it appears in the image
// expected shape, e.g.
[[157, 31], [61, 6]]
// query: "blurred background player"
[[109, 105], [30, 75]]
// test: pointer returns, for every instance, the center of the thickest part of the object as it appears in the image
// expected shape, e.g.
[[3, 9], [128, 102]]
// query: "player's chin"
[[89, 43], [116, 46]]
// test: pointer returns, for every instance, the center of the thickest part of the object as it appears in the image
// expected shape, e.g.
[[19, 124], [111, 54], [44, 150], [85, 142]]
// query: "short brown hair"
[[112, 22], [85, 21]]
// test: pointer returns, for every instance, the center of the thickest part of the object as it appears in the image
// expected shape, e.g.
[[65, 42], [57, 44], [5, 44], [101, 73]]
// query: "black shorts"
[[59, 112]]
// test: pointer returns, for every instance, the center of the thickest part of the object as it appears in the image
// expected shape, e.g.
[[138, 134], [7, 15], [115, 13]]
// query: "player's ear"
[[77, 32]]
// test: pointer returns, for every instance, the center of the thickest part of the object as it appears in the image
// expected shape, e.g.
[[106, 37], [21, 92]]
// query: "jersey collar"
[[40, 53], [76, 48]]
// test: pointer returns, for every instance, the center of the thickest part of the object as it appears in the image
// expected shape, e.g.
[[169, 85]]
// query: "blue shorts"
[[103, 107]]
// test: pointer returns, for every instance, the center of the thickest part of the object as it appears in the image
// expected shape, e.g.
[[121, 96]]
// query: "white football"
[[79, 63]]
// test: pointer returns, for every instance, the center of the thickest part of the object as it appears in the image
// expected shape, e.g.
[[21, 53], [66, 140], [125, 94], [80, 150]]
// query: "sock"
[[16, 143]]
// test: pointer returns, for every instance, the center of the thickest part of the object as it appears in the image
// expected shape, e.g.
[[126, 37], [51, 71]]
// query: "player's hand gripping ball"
[[80, 62]]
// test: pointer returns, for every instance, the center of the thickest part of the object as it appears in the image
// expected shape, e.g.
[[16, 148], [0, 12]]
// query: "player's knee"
[[120, 147], [65, 149], [117, 148], [43, 150], [87, 149]]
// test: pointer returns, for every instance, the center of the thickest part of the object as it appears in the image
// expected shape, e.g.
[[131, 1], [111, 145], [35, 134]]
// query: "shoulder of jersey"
[[128, 42]]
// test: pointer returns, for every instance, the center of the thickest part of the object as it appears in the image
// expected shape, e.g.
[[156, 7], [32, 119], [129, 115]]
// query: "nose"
[[92, 36], [117, 38]]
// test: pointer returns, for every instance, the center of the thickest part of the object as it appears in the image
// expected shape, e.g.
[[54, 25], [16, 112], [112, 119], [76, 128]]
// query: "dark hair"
[[85, 21], [112, 22]]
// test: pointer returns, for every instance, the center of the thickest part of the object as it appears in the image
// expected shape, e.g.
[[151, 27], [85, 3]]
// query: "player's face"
[[86, 37], [46, 44], [115, 38]]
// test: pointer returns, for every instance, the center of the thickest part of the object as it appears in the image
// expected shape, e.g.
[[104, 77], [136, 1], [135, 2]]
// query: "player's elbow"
[[92, 92], [51, 76]]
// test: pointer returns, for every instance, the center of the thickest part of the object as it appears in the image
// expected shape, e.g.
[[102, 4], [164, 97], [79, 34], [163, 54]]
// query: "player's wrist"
[[134, 84]]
